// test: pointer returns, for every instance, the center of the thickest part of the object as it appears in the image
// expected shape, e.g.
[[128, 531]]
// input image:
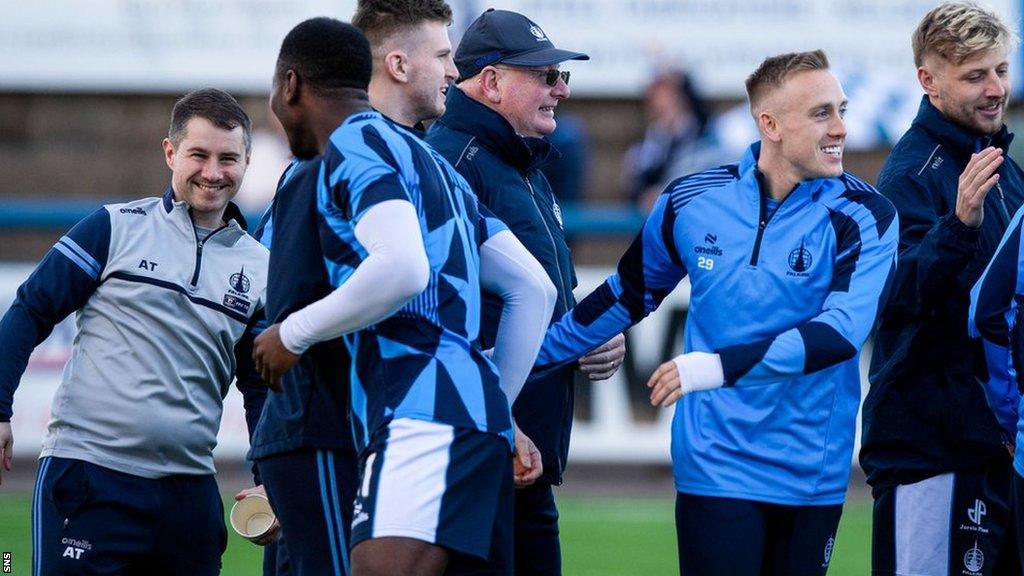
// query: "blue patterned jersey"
[[424, 361]]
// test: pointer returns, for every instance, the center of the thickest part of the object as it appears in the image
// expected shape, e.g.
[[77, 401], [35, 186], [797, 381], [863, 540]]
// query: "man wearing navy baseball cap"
[[492, 132], [501, 36]]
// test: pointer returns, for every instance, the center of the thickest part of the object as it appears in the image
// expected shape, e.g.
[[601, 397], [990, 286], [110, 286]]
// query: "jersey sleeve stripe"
[[74, 257], [739, 359], [824, 346], [82, 253], [864, 195], [848, 249]]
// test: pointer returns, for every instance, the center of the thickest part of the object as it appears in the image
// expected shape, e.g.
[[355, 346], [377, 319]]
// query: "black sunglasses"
[[551, 76]]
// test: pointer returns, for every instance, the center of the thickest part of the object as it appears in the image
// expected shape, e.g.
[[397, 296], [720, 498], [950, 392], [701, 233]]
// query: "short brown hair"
[[774, 71], [379, 19], [955, 31], [217, 106]]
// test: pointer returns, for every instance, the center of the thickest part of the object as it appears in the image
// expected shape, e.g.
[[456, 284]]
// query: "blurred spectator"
[[566, 174], [676, 142]]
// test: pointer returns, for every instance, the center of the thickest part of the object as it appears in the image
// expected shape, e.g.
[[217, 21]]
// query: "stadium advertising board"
[[173, 46]]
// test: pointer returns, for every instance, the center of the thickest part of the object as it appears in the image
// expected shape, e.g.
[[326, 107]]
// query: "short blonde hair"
[[955, 31], [773, 72]]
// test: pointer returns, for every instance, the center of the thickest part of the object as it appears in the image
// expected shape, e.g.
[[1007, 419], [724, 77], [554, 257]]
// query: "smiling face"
[[974, 93], [207, 167], [809, 129], [526, 101]]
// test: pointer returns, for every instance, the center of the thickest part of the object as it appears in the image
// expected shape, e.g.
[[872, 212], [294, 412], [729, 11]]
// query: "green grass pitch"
[[600, 537]]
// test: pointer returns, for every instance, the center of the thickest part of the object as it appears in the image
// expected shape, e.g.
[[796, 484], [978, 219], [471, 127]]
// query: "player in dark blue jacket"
[[303, 443], [787, 257], [932, 449]]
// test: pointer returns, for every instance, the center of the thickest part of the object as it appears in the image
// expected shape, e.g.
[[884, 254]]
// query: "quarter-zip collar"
[[228, 234], [754, 187], [804, 192], [959, 141], [463, 114]]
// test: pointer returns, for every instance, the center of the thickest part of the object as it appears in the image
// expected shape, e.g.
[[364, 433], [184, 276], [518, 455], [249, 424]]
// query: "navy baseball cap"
[[501, 36]]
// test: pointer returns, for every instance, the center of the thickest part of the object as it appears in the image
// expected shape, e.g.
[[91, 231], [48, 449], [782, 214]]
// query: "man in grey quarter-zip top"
[[165, 290]]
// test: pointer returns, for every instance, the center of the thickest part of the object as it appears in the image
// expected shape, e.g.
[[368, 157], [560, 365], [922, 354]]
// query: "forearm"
[[507, 269], [942, 256], [595, 320], [648, 271], [394, 271], [248, 381], [20, 331]]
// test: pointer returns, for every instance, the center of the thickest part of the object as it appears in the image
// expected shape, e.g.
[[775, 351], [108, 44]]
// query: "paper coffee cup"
[[252, 516]]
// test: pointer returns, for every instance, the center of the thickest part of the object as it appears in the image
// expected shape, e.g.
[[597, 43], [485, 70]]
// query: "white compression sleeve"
[[509, 270], [395, 271]]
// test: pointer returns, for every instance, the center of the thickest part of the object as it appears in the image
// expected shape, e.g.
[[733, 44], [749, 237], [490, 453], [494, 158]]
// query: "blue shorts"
[[729, 536], [87, 519], [311, 492], [448, 486]]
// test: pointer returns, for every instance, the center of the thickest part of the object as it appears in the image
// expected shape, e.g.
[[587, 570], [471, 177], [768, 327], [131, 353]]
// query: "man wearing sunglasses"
[[492, 132]]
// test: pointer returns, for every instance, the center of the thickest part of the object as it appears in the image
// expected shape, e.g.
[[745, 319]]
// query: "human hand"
[[271, 357], [974, 184], [604, 361], [526, 464], [6, 448], [274, 532], [683, 374]]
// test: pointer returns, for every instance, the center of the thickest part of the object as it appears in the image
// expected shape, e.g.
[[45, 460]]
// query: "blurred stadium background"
[[86, 90]]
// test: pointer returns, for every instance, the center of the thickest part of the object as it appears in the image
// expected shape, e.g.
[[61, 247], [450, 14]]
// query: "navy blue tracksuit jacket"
[[926, 412], [503, 169], [313, 409]]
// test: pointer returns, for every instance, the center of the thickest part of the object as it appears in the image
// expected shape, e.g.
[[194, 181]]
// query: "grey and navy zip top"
[[162, 328]]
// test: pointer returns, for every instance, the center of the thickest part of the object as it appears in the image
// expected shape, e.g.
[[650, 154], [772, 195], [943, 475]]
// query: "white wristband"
[[699, 371]]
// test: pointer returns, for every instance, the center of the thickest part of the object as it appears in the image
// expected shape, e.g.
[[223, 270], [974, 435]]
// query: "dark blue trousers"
[[537, 548], [728, 536], [87, 519], [311, 492]]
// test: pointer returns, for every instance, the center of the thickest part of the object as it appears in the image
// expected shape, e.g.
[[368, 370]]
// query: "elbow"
[[548, 294], [412, 278]]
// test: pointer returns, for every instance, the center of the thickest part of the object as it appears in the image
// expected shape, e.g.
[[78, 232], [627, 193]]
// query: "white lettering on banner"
[[611, 434], [161, 46]]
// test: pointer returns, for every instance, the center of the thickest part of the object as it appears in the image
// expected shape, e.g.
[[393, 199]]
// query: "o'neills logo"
[[711, 251]]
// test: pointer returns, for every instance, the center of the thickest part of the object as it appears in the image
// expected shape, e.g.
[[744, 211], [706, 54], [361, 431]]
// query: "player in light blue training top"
[[787, 257]]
